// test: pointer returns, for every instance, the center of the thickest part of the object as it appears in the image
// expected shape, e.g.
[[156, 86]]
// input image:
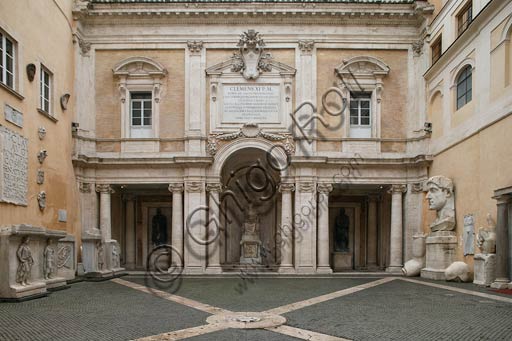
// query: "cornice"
[[243, 13]]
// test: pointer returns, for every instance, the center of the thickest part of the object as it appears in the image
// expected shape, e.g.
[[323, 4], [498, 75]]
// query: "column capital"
[[373, 197], [213, 187], [306, 46], [286, 187], [195, 47], [175, 187], [194, 186], [397, 189], [84, 187], [324, 188], [104, 188], [306, 187]]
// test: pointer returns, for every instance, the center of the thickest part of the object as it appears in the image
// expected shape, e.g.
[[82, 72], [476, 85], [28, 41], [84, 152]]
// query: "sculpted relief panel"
[[13, 167]]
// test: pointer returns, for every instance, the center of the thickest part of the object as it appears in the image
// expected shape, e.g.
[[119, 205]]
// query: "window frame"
[[360, 98], [45, 71], [463, 78], [463, 25], [4, 38], [143, 102], [438, 42]]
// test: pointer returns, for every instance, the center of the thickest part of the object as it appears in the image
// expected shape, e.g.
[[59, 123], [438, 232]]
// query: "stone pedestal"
[[441, 246], [25, 278], [90, 241], [485, 269]]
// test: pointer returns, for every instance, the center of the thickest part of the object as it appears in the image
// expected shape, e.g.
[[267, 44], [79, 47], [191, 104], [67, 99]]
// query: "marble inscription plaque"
[[13, 167], [255, 103]]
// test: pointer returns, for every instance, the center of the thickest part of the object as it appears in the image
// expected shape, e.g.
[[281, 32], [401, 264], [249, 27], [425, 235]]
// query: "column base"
[[305, 270], [435, 274], [194, 270], [500, 284], [323, 270], [214, 269], [286, 269], [394, 269]]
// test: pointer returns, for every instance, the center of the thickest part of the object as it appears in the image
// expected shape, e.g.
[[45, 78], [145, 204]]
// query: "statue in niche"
[[486, 238], [441, 198], [159, 228], [251, 243], [26, 261], [341, 232], [49, 260], [101, 255], [115, 257]]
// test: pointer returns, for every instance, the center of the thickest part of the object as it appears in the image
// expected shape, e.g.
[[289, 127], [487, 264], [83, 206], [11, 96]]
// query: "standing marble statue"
[[115, 257], [49, 260], [100, 255], [441, 199], [26, 261]]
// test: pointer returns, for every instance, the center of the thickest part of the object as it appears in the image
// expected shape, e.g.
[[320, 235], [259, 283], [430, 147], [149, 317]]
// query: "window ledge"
[[48, 115], [12, 91]]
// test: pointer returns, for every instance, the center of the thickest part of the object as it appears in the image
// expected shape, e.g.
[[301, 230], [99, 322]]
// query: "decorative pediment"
[[228, 67], [139, 67], [362, 66]]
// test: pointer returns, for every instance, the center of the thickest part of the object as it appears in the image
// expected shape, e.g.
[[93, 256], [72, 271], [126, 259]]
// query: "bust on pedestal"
[[442, 241], [251, 242], [485, 261]]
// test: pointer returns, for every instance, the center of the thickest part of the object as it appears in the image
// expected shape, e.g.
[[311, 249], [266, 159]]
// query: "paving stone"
[[94, 311], [406, 311], [247, 335]]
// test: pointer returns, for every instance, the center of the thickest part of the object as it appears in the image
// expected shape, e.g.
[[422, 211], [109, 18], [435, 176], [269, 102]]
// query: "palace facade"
[[294, 136]]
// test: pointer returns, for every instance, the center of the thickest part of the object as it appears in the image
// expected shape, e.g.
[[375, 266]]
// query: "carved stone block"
[[13, 167], [485, 269], [441, 247]]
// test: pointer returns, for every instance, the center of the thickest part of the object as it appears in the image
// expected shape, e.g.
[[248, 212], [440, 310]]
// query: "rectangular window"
[[436, 49], [45, 83], [464, 18], [360, 109], [7, 60], [141, 109]]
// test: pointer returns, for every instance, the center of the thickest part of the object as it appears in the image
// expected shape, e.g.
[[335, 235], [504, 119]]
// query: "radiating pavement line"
[[170, 297], [185, 333], [304, 334], [462, 291], [319, 299]]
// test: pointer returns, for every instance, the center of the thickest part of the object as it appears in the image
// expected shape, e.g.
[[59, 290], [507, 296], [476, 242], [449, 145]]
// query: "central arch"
[[250, 196]]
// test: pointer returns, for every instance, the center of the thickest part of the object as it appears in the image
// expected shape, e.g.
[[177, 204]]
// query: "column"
[[130, 231], [323, 228], [395, 247], [213, 228], [502, 247], [286, 228], [105, 219], [372, 232], [177, 222], [195, 120]]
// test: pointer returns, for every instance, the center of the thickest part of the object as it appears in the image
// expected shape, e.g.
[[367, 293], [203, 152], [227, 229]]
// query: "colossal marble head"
[[441, 199]]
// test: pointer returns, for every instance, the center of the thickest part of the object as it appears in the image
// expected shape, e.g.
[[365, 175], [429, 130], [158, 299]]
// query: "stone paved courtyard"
[[328, 308]]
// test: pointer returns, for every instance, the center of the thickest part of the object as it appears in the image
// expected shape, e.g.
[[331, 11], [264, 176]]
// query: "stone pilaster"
[[396, 238], [304, 222], [195, 238], [372, 232], [213, 228], [177, 221], [130, 230], [286, 229], [195, 119], [323, 228]]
